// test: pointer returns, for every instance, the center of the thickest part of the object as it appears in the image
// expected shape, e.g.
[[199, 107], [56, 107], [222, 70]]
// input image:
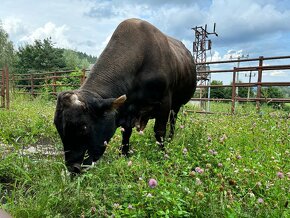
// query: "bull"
[[142, 74]]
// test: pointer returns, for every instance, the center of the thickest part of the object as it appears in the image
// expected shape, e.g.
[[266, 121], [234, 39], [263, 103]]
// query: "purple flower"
[[199, 170], [152, 183], [260, 200], [280, 175], [213, 152]]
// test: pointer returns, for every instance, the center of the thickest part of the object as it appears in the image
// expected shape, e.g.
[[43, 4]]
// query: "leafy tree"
[[273, 92], [7, 53], [40, 56], [217, 92], [73, 60]]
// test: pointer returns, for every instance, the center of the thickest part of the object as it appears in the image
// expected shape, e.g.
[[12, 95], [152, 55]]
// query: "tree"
[[7, 53], [40, 56], [217, 92], [273, 92], [73, 61]]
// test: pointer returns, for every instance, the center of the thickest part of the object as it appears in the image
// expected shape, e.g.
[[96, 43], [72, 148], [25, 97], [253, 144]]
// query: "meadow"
[[216, 166]]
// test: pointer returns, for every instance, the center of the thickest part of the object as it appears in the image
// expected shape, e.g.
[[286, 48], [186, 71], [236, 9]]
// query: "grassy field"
[[216, 166]]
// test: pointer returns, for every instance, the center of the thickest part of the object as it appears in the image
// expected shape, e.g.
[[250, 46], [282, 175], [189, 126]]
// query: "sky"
[[249, 28]]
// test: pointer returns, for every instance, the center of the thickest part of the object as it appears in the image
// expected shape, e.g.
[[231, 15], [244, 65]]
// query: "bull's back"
[[184, 71]]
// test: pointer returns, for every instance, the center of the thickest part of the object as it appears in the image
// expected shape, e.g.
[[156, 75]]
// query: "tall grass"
[[216, 166]]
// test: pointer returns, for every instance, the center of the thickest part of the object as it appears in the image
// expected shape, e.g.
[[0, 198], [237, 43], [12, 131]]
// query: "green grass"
[[240, 157]]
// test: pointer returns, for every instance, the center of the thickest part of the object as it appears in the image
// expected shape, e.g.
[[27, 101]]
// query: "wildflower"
[[192, 173], [260, 200], [199, 170], [223, 138], [152, 183], [239, 157], [252, 195], [280, 175], [130, 207], [259, 184], [200, 195], [166, 156], [209, 139], [93, 210], [187, 190], [184, 151], [141, 132], [105, 143], [198, 181], [116, 205], [181, 126], [130, 163], [220, 165], [208, 165], [149, 195], [122, 129], [140, 179], [213, 152]]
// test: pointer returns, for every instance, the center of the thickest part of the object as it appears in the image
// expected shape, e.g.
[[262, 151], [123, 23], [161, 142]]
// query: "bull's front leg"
[[126, 133]]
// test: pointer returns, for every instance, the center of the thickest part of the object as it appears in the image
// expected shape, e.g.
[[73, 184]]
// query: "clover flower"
[[152, 183], [280, 175], [199, 170], [260, 200], [130, 163]]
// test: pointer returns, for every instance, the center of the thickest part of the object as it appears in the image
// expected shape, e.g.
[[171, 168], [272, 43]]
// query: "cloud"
[[56, 33], [276, 73], [15, 28]]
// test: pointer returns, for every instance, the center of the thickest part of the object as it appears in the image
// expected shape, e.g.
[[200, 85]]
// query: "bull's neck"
[[112, 75]]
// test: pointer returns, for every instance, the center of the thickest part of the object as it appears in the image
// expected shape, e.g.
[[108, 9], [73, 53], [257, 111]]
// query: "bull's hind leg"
[[125, 141], [172, 120], [160, 124]]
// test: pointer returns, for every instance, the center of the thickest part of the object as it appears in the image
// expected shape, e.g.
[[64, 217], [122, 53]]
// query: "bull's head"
[[85, 124]]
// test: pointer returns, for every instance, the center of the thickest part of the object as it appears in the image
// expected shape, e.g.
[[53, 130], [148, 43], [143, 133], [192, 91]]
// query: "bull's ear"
[[119, 102]]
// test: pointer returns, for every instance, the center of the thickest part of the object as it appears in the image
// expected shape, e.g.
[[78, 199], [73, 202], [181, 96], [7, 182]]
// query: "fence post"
[[32, 84], [234, 90], [54, 83], [259, 87], [7, 87], [3, 88]]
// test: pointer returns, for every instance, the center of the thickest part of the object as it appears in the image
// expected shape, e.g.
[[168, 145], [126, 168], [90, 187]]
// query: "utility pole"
[[201, 45], [250, 79], [239, 57]]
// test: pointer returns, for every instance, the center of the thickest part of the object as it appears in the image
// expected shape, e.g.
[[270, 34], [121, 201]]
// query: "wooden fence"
[[4, 86], [49, 82], [260, 68], [54, 82]]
